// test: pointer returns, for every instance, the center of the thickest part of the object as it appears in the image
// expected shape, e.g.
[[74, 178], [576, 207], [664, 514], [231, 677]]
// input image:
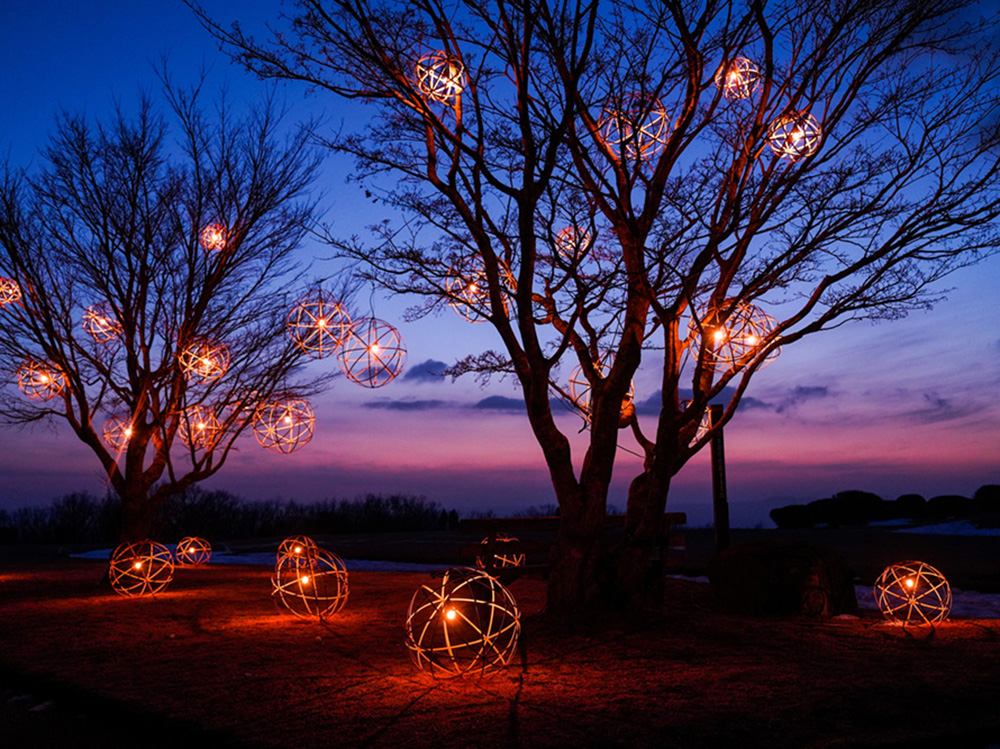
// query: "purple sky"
[[909, 406]]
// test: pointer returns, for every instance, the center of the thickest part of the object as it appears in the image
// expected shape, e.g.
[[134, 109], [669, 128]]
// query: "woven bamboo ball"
[[100, 323], [117, 431], [214, 237], [738, 79], [440, 77], [198, 427], [373, 353], [10, 292], [505, 553], [469, 290], [794, 135], [572, 243], [193, 551], [635, 128], [734, 336], [40, 381], [295, 546], [142, 568], [312, 584], [580, 390], [204, 359], [318, 323], [284, 425], [913, 593], [463, 622]]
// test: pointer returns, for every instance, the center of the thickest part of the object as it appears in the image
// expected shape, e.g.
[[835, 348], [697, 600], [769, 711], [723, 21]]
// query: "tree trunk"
[[138, 518], [575, 579]]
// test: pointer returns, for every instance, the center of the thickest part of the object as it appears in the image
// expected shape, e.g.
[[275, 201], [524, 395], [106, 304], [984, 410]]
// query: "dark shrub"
[[987, 498], [911, 506], [949, 506], [793, 516], [852, 507]]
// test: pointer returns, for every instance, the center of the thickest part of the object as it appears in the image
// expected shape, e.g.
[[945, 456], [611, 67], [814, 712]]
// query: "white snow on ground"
[[954, 528]]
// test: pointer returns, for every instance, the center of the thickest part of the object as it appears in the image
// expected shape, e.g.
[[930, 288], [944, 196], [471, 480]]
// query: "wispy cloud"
[[801, 394], [409, 405], [500, 403], [430, 370], [936, 408]]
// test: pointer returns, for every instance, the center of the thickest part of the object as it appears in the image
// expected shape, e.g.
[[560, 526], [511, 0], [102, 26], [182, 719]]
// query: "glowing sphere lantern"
[[734, 336], [794, 135], [117, 431], [214, 237], [310, 585], [40, 381], [580, 391], [572, 243], [462, 623], [468, 290], [100, 323], [440, 77], [10, 292], [193, 551], [318, 323], [198, 427], [204, 359], [296, 546], [913, 593], [373, 353], [506, 553], [143, 568], [738, 79], [284, 425], [635, 128]]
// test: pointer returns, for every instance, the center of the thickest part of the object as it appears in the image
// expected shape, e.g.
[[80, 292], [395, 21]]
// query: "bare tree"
[[145, 288], [691, 184]]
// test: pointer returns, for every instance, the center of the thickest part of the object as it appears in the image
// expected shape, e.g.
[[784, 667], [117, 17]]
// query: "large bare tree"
[[147, 265], [692, 184]]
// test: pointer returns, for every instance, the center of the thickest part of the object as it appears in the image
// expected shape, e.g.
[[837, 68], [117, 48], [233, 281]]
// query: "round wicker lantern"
[[318, 323], [469, 290], [913, 593], [572, 243], [373, 353], [794, 135], [462, 623], [10, 292], [143, 568], [440, 77], [40, 381], [738, 79], [580, 390], [735, 337], [193, 551], [502, 557], [100, 323], [312, 584], [117, 431], [284, 425], [214, 237], [199, 428], [204, 359], [635, 128], [296, 546]]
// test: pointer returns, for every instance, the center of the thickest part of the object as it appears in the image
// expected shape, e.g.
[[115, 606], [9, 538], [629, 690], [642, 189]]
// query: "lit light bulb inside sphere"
[[451, 613]]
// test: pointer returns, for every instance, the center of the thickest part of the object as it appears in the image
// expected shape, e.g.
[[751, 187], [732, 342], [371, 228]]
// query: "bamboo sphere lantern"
[[635, 128], [469, 291], [794, 135], [214, 237], [440, 77], [117, 431], [204, 359], [462, 623], [572, 243], [913, 593], [100, 323], [502, 557], [580, 391], [40, 381], [193, 551], [373, 353], [198, 427], [143, 568], [284, 425], [295, 546], [318, 323], [10, 292], [738, 79], [312, 584], [735, 337]]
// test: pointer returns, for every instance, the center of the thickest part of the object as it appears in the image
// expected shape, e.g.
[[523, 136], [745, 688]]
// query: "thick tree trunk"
[[138, 518], [575, 579]]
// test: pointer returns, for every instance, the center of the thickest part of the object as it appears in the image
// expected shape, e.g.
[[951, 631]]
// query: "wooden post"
[[720, 501]]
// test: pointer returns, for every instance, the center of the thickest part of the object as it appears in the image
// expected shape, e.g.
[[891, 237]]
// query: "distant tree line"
[[83, 518], [860, 508]]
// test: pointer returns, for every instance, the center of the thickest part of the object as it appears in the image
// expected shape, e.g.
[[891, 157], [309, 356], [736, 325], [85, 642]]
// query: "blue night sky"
[[907, 406]]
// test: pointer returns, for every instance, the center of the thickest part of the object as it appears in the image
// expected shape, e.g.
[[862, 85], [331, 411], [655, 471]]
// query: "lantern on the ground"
[[284, 425], [204, 359], [117, 431], [214, 237], [373, 353], [738, 78], [635, 128], [100, 323], [913, 593], [734, 336], [295, 546], [198, 427], [318, 323], [463, 622], [311, 584], [10, 292], [572, 243], [580, 390], [794, 135], [143, 568], [440, 77], [193, 551], [39, 380], [506, 553]]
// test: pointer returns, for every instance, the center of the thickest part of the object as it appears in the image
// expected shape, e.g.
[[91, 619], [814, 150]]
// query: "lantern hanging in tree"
[[295, 546], [214, 237], [10, 292], [913, 593], [204, 359], [572, 243], [311, 584], [794, 135], [462, 623], [734, 337], [373, 353], [635, 128], [580, 391], [117, 431], [318, 323], [469, 291], [738, 79], [506, 553], [284, 425], [143, 568], [40, 381], [100, 323], [193, 551], [440, 77], [199, 428]]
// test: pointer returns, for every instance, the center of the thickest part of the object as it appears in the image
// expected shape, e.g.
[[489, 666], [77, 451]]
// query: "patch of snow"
[[954, 528]]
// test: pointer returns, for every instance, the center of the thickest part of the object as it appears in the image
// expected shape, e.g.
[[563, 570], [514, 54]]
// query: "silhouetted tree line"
[[82, 518], [860, 508]]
